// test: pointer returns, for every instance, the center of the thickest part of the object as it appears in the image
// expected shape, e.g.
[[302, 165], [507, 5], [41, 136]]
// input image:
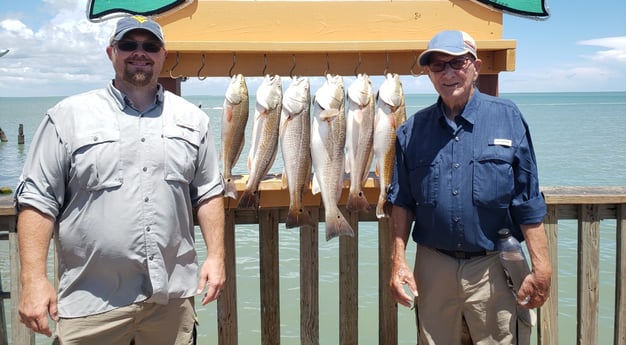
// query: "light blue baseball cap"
[[136, 22], [451, 42]]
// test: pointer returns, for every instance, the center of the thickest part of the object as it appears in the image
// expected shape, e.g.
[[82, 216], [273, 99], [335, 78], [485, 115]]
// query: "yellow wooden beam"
[[315, 37]]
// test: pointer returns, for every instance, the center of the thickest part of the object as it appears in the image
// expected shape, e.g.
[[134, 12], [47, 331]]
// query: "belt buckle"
[[459, 254]]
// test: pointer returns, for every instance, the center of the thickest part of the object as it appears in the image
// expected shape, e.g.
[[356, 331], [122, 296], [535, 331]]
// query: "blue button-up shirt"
[[465, 180]]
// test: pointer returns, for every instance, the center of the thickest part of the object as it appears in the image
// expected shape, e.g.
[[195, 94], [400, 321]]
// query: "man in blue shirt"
[[465, 168]]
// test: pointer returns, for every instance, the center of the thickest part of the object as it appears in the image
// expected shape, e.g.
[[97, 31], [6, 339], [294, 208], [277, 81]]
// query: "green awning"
[[524, 8], [98, 10]]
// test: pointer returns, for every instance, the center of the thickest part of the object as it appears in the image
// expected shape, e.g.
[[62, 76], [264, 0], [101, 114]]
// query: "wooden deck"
[[589, 205]]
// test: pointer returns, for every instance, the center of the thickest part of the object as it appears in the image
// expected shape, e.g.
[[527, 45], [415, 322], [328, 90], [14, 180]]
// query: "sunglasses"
[[147, 46], [456, 64]]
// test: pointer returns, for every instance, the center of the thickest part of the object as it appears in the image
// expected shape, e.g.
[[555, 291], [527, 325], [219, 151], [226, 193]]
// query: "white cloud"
[[65, 55], [616, 51]]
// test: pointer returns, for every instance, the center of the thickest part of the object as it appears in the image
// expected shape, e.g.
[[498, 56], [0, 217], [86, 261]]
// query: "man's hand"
[[37, 301], [212, 276], [402, 275]]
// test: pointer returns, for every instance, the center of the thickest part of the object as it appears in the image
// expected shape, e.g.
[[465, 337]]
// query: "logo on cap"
[[140, 19]]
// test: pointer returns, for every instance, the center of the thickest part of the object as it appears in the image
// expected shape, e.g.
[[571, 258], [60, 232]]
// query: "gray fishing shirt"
[[121, 185]]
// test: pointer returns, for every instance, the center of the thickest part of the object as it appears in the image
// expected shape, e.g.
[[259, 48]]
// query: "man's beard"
[[138, 78]]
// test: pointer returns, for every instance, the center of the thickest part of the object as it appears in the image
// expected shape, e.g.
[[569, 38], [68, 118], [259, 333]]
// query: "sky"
[[56, 51]]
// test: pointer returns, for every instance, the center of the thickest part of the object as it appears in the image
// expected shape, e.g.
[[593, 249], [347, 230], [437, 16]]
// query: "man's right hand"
[[402, 275], [37, 301]]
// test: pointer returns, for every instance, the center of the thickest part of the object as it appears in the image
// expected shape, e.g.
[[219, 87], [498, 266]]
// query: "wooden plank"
[[19, 333], [269, 277], [588, 268], [266, 22], [349, 284], [387, 306], [309, 282], [227, 303], [548, 329], [4, 340], [266, 36], [620, 278], [584, 195]]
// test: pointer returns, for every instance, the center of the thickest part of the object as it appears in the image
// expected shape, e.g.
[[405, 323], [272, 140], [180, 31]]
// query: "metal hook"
[[230, 71], [357, 66], [173, 67], [293, 66], [413, 65], [327, 64], [201, 67], [387, 66], [264, 63]]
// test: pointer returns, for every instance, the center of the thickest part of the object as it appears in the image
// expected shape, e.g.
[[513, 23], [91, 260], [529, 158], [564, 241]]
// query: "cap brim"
[[424, 57]]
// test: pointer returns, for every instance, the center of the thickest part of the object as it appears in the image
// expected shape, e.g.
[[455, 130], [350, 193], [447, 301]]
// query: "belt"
[[459, 254]]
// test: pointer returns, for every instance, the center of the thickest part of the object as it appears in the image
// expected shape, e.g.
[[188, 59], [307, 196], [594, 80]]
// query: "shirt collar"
[[468, 114], [120, 97]]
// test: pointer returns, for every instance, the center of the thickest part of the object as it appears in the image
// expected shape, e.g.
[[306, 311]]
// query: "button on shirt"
[[121, 185], [465, 180]]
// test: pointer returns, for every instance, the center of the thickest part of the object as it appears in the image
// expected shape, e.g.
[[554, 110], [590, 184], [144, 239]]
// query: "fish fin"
[[230, 190], [315, 187], [337, 225], [284, 180], [298, 218], [357, 202], [383, 208], [249, 200], [329, 114]]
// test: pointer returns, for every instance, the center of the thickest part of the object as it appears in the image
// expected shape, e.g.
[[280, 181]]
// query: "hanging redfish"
[[390, 114], [234, 121], [295, 144], [328, 135], [359, 140], [264, 143]]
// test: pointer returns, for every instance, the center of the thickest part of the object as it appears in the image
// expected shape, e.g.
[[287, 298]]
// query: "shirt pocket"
[[181, 149], [493, 180], [424, 178], [96, 160]]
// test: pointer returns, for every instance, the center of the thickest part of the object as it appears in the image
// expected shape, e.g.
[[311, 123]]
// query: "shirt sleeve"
[[399, 193], [43, 179], [528, 205], [208, 181]]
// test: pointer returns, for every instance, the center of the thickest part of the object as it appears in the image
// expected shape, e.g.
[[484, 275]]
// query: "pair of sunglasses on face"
[[147, 46]]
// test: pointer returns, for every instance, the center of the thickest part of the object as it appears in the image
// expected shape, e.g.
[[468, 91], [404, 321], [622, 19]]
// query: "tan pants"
[[139, 324], [451, 290]]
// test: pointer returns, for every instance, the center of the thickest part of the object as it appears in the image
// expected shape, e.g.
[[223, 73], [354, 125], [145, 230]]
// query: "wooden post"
[[620, 277], [171, 85], [309, 282], [349, 284], [20, 134], [588, 266], [19, 333], [387, 307], [269, 280], [3, 136], [548, 329], [227, 303]]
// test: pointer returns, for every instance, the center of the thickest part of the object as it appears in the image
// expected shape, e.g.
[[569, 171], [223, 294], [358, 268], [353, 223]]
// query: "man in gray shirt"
[[115, 176]]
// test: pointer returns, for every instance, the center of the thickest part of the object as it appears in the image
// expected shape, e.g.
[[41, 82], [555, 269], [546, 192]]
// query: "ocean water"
[[578, 140]]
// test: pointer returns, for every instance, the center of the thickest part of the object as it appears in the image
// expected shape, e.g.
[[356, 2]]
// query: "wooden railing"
[[589, 205]]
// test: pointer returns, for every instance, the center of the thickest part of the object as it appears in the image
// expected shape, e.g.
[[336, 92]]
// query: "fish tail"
[[230, 190], [357, 202], [298, 217], [249, 199], [383, 208], [337, 225]]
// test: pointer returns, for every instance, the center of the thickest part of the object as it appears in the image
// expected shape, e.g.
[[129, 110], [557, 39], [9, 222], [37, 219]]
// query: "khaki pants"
[[139, 324], [453, 291]]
